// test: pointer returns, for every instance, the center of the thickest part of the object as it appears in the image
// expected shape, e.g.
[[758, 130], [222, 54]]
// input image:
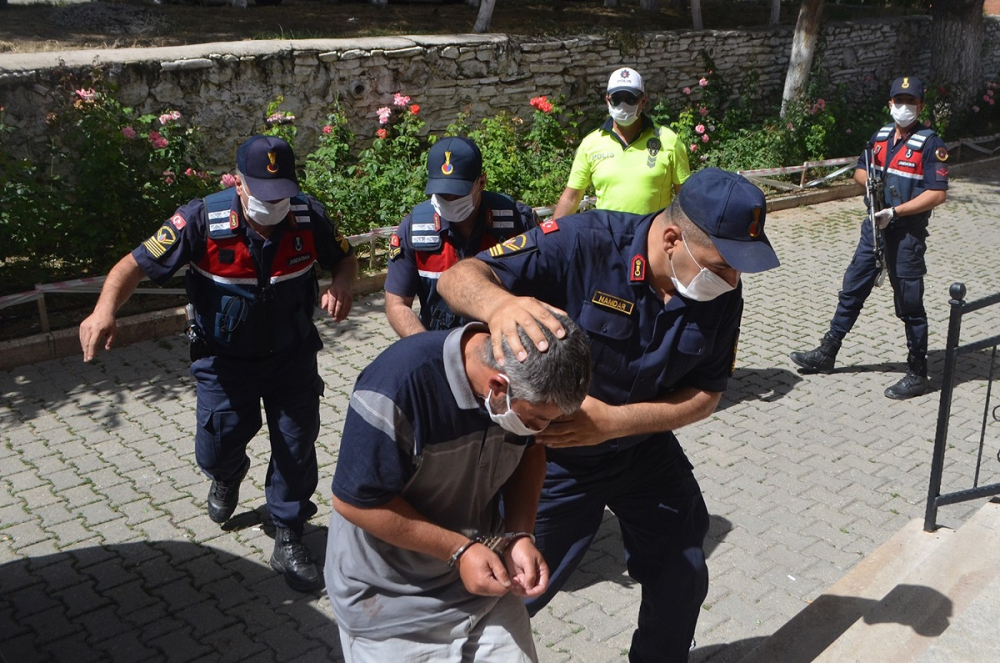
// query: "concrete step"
[[904, 598]]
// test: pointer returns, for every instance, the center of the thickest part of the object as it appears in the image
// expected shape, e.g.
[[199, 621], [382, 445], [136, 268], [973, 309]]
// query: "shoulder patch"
[[549, 226], [394, 250], [161, 241], [941, 153], [177, 221], [514, 245]]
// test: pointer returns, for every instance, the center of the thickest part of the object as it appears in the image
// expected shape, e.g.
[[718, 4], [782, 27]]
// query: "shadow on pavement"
[[159, 600], [814, 629], [759, 384]]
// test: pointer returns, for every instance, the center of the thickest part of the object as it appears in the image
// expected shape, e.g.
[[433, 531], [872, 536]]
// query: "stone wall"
[[225, 87]]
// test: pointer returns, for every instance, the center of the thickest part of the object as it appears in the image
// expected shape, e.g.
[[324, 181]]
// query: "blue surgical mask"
[[509, 420]]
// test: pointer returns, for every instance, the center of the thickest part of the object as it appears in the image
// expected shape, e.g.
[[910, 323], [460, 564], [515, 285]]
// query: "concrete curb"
[[131, 329]]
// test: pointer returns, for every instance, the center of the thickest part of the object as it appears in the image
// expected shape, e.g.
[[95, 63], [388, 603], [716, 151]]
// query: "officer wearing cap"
[[660, 298], [459, 220], [911, 160], [634, 165], [250, 252]]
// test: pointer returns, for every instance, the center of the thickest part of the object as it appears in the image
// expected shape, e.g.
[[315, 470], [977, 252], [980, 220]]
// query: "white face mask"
[[903, 114], [456, 211], [624, 114], [509, 420], [705, 286], [267, 214]]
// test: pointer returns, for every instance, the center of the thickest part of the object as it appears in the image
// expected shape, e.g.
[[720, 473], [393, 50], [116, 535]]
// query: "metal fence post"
[[957, 292]]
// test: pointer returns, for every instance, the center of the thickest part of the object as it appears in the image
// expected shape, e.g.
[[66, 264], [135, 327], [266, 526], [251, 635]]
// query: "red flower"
[[414, 109], [382, 133], [328, 129]]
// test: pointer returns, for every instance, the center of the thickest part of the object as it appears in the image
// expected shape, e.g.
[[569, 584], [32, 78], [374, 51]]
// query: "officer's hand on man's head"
[[529, 314], [337, 302]]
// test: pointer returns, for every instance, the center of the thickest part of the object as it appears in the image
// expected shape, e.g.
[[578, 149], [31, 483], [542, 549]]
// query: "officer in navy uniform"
[[459, 220], [250, 252], [911, 160], [660, 298]]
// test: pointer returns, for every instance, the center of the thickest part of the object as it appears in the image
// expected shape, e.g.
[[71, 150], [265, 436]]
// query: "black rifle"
[[874, 190]]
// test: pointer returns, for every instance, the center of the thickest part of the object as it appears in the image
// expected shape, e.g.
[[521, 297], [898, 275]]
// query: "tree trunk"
[[696, 21], [775, 13], [956, 51], [649, 5], [484, 17], [803, 49]]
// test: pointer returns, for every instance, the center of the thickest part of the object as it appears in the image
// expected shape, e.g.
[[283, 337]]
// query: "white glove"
[[883, 217]]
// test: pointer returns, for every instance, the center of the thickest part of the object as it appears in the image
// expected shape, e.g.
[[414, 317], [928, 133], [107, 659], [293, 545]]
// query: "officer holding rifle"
[[903, 169]]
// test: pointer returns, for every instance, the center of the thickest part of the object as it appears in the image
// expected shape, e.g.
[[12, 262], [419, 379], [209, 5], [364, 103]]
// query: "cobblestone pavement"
[[106, 552]]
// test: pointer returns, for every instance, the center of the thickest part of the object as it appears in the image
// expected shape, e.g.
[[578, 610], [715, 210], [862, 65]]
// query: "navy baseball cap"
[[268, 168], [907, 85], [731, 211], [453, 166]]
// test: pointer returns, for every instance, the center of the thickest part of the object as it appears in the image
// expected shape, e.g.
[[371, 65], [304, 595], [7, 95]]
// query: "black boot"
[[291, 558], [914, 383], [822, 359], [224, 496]]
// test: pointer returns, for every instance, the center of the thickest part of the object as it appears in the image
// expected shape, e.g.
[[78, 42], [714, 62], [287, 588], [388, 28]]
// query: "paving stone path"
[[106, 552]]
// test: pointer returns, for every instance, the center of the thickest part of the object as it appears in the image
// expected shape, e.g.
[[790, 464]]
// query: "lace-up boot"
[[291, 558], [822, 359], [914, 383], [224, 496]]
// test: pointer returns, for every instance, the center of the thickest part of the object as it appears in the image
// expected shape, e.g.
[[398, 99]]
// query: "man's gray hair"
[[560, 375]]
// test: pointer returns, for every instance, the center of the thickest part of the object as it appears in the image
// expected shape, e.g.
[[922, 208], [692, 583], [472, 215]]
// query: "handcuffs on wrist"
[[498, 543]]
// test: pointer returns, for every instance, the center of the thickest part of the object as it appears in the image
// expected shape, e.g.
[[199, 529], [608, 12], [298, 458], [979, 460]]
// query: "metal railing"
[[953, 350]]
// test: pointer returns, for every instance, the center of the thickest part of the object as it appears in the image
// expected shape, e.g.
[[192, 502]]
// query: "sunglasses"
[[619, 98]]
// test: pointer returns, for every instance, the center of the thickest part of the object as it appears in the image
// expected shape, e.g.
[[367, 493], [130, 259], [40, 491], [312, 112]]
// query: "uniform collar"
[[609, 127], [454, 366], [637, 251]]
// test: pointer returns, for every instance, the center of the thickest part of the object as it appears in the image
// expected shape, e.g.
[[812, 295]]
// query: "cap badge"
[[638, 269], [273, 166], [754, 229], [906, 84], [446, 167]]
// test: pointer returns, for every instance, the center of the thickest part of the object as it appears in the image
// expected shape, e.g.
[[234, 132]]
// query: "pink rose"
[[87, 94], [986, 98], [383, 114], [191, 172], [694, 147], [704, 138], [328, 130], [993, 102], [703, 82], [686, 90], [158, 141], [400, 100], [700, 129], [128, 132], [703, 111], [848, 132], [227, 181], [975, 109]]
